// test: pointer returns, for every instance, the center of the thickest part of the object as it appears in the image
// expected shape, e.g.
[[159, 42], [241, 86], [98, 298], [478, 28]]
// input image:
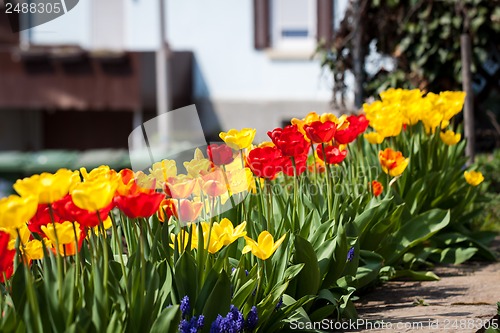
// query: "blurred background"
[[72, 89]]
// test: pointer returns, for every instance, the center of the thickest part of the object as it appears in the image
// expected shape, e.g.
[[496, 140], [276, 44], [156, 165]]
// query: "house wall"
[[241, 85]]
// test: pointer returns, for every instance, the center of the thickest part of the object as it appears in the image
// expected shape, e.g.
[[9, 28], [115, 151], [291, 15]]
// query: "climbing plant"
[[421, 36]]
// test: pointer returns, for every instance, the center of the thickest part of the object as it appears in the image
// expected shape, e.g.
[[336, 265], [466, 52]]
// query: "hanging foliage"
[[421, 36]]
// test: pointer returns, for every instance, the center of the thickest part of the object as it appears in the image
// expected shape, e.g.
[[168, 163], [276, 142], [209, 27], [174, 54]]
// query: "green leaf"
[[413, 232], [185, 277], [370, 270], [309, 276], [418, 276], [457, 255], [243, 293], [167, 321], [218, 301]]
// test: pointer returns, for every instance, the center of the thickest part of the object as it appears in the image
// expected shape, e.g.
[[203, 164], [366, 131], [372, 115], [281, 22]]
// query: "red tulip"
[[357, 125], [220, 154], [66, 210], [265, 162], [6, 257], [333, 154], [300, 164], [346, 136], [319, 132], [139, 204], [362, 122], [289, 140], [42, 217]]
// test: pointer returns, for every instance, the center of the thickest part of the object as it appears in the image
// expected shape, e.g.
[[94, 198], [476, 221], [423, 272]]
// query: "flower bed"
[[245, 238]]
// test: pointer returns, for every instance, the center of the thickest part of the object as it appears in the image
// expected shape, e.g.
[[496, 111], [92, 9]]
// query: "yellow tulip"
[[94, 195], [198, 154], [374, 138], [240, 180], [15, 211], [145, 182], [196, 167], [453, 101], [264, 247], [33, 250], [473, 178], [24, 232], [64, 231], [236, 164], [308, 120], [65, 236], [100, 173], [48, 187], [238, 139], [161, 171], [183, 237], [222, 234], [216, 241], [342, 122], [227, 233], [385, 118], [450, 138], [107, 224]]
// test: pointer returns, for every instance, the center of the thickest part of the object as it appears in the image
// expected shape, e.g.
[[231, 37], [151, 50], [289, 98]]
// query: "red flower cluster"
[[135, 201], [321, 132], [265, 162], [139, 204], [6, 257], [331, 155], [357, 125], [289, 140], [66, 210], [300, 165]]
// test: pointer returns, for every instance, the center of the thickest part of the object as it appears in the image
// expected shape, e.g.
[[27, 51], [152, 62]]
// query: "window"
[[292, 25]]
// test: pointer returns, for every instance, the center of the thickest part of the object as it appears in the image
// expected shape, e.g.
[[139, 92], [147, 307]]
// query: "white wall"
[[220, 32]]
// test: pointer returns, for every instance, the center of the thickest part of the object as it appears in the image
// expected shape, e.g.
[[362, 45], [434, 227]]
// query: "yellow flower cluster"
[[222, 234], [399, 108]]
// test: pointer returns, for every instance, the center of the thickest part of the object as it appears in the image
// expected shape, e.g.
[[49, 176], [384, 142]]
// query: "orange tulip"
[[392, 162], [214, 183], [180, 187], [377, 188], [189, 211], [168, 208]]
